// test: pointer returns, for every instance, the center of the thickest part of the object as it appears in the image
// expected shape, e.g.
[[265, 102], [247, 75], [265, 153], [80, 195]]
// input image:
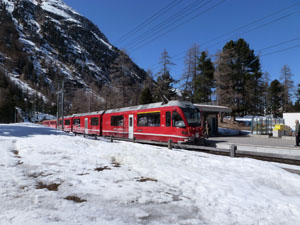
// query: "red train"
[[177, 120]]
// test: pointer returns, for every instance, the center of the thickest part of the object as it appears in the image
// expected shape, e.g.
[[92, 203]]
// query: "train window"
[[142, 120], [168, 119], [154, 119], [95, 121], [177, 120], [149, 119], [76, 122], [130, 122], [192, 116], [117, 121], [67, 122]]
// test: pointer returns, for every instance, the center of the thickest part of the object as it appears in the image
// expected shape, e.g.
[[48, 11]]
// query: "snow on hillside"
[[48, 177]]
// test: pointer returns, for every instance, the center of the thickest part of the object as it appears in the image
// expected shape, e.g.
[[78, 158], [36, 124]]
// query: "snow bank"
[[230, 132], [128, 183]]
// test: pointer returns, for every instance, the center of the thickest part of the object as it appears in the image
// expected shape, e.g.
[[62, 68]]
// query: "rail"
[[232, 152]]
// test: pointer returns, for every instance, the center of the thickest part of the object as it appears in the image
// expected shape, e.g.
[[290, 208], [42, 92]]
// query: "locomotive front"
[[187, 117], [193, 120]]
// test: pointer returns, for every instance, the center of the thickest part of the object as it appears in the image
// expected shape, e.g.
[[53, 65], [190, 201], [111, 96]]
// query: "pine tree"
[[266, 84], [297, 102], [238, 69], [275, 97], [146, 96], [288, 84], [165, 82], [225, 89], [204, 80]]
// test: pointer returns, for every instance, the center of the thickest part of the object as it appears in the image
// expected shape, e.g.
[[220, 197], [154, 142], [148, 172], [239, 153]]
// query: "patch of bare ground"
[[146, 179], [98, 169], [233, 125], [75, 199], [40, 174], [16, 153], [82, 174], [50, 187]]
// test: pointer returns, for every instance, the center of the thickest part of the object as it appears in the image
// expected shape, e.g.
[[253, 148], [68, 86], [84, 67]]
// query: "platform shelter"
[[211, 113]]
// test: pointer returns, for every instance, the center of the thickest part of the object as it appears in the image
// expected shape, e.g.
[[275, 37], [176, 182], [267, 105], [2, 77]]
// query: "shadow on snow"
[[26, 130]]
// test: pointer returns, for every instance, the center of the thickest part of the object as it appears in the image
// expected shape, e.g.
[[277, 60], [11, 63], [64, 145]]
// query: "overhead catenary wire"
[[148, 21], [241, 27], [168, 31], [281, 50], [278, 44], [258, 27], [251, 23], [168, 21]]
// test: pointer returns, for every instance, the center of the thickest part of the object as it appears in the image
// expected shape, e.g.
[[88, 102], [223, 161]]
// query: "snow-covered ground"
[[231, 132], [48, 177]]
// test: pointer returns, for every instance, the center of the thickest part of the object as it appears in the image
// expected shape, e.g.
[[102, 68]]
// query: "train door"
[[130, 127], [86, 125]]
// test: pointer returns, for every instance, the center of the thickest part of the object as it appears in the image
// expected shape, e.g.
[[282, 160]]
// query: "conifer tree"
[[146, 96], [265, 86], [204, 81], [239, 68], [275, 97], [165, 81], [297, 102]]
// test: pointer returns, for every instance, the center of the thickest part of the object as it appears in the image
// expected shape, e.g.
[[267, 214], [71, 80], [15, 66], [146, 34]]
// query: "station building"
[[211, 113]]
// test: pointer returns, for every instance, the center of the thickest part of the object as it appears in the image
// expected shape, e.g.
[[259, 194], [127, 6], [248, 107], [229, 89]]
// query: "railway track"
[[232, 152]]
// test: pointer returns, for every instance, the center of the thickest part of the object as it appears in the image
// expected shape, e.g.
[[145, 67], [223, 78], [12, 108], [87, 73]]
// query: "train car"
[[53, 124], [68, 122], [50, 123], [77, 124], [46, 123], [176, 120], [88, 123]]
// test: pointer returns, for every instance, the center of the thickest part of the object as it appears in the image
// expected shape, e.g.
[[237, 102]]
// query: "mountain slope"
[[48, 42]]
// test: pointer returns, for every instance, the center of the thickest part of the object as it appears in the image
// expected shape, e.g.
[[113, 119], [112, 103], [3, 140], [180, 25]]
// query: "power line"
[[149, 20], [258, 27], [164, 23], [251, 23], [168, 31], [281, 43], [281, 50]]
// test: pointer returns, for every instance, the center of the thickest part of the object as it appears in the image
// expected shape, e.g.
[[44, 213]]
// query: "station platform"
[[262, 144]]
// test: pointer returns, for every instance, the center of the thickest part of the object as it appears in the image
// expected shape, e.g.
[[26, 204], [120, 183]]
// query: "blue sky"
[[271, 22]]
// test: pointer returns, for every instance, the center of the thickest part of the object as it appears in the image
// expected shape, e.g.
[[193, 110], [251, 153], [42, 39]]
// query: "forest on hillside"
[[233, 79]]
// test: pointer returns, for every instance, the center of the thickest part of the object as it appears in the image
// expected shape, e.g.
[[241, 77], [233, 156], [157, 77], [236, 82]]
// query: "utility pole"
[[62, 103], [15, 114], [60, 106], [90, 102], [57, 108]]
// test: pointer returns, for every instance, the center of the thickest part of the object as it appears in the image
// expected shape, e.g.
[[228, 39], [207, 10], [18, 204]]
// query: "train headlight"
[[197, 134]]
